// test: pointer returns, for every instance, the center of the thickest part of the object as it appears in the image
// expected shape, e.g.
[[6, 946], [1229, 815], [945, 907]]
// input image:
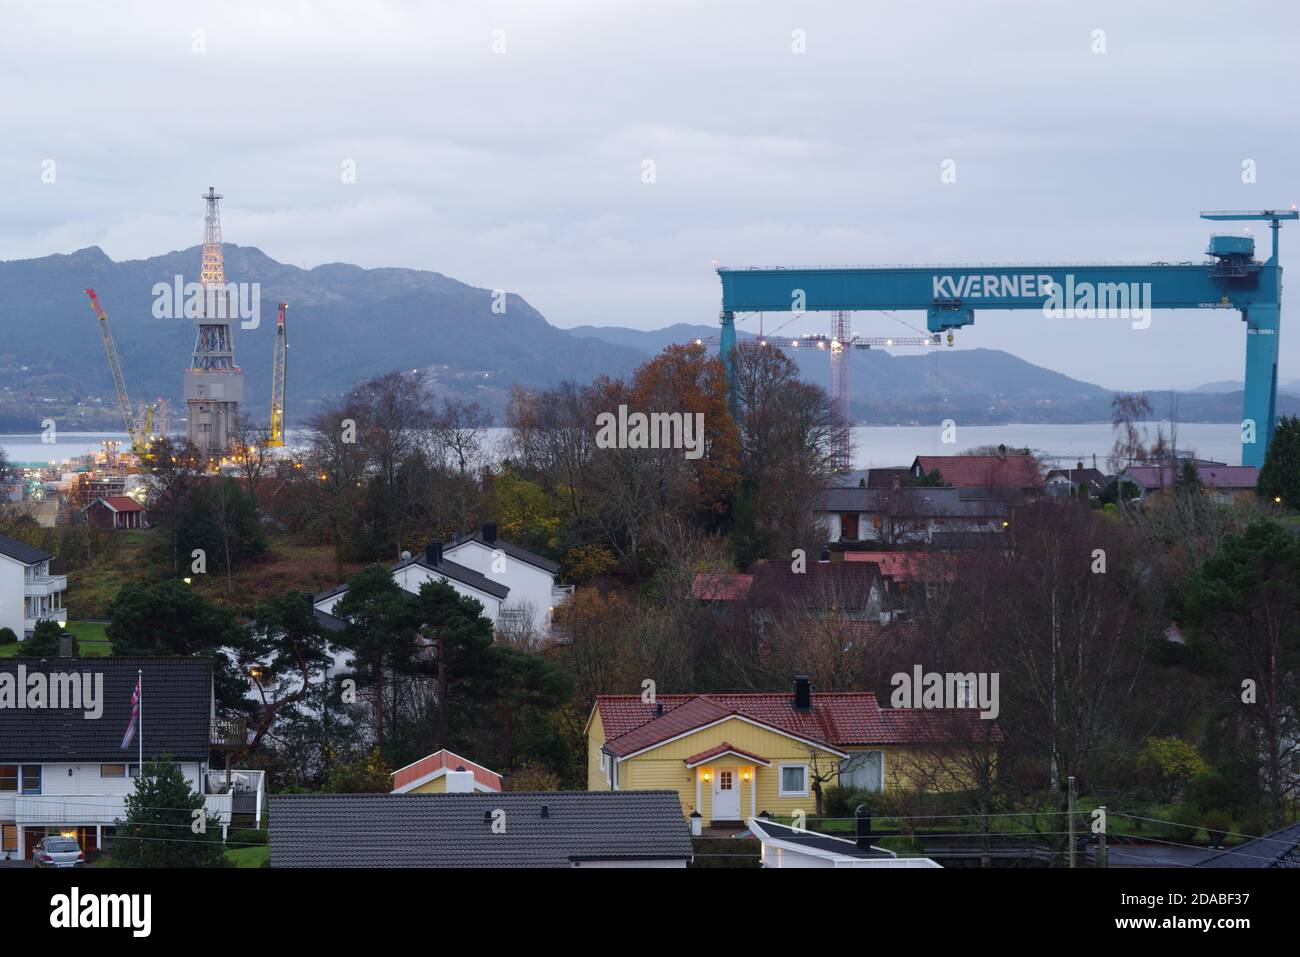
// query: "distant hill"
[[344, 323], [976, 386], [1236, 385]]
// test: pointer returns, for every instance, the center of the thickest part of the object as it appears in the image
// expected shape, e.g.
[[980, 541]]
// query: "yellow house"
[[732, 756]]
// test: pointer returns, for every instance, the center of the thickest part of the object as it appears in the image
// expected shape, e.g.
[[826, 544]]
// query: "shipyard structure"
[[214, 384]]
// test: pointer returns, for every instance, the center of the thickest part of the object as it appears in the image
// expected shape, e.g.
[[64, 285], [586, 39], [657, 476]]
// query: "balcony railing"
[[34, 810], [49, 614], [229, 733], [45, 587]]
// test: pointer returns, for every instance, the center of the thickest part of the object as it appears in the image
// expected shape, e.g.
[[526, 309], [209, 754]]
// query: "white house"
[[28, 592], [534, 593], [433, 565], [63, 769]]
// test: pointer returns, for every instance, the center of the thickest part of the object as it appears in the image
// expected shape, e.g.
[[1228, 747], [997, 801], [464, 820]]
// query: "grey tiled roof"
[[21, 551], [446, 568], [514, 551], [1279, 849], [449, 830], [177, 696], [923, 502], [846, 847]]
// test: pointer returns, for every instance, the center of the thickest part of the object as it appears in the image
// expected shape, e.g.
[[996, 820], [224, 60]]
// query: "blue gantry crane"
[[1232, 278]]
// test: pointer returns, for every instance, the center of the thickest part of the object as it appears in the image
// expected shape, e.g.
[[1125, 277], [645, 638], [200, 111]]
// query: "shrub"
[[7, 636], [247, 837], [1217, 823], [1210, 789]]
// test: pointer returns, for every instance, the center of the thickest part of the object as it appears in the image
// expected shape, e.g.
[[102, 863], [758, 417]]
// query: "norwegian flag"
[[135, 716]]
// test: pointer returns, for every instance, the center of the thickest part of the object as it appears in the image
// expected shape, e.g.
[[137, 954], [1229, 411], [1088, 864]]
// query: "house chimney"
[[1002, 451], [862, 826], [546, 811], [460, 781], [311, 600], [659, 709], [802, 693], [490, 532], [433, 553]]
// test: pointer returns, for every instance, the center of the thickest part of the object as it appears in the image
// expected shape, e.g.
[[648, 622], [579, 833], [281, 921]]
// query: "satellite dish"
[[405, 555]]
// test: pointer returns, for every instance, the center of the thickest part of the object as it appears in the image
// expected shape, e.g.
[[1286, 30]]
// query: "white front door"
[[726, 795]]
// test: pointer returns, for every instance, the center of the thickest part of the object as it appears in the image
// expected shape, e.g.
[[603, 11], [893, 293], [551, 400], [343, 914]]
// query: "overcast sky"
[[523, 169]]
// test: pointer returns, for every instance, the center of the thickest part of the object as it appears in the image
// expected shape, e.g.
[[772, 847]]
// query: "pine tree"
[[1280, 476], [166, 824]]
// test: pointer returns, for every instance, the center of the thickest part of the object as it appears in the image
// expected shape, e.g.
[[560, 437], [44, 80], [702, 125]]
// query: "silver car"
[[58, 852]]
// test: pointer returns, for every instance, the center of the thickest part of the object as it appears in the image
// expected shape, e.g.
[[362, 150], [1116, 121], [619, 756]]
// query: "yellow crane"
[[139, 441], [276, 437]]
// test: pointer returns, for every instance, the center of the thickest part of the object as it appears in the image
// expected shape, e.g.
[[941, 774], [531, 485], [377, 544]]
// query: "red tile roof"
[[122, 503], [837, 719], [726, 747], [448, 761], [983, 471], [906, 566], [721, 587]]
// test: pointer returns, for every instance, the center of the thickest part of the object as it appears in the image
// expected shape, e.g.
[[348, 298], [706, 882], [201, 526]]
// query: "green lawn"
[[90, 635], [249, 856]]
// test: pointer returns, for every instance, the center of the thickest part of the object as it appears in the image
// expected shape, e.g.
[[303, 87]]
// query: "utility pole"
[[1102, 859], [1070, 818]]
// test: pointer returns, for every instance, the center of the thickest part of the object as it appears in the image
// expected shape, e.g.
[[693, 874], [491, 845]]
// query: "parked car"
[[58, 852]]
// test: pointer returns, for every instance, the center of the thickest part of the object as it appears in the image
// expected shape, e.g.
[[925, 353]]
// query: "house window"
[[794, 780], [119, 770], [31, 779], [8, 837], [8, 777], [724, 780], [863, 771], [604, 763]]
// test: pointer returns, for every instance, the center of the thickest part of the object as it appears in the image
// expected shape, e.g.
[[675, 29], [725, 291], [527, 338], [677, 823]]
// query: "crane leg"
[[1259, 404]]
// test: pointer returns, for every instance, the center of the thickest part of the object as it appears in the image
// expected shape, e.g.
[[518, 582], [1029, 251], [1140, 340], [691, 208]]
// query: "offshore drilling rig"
[[214, 385]]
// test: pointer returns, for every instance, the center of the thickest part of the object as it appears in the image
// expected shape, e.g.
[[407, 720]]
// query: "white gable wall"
[[530, 586]]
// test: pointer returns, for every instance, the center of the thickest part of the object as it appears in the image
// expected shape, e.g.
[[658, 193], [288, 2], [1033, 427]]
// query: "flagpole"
[[139, 683]]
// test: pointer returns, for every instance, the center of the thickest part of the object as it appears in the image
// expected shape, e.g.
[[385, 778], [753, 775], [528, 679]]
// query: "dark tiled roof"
[[514, 551], [911, 502], [847, 584], [448, 569], [329, 622], [821, 842], [449, 830], [1218, 476], [1094, 477], [21, 551], [177, 711], [1279, 849]]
